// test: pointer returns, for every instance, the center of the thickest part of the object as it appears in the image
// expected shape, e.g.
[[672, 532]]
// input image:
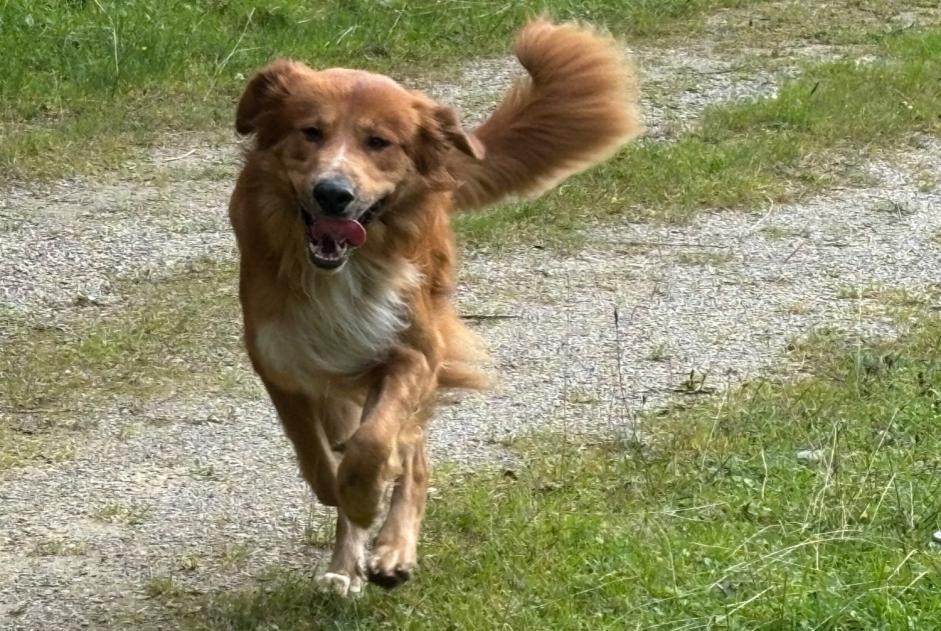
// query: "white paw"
[[341, 584]]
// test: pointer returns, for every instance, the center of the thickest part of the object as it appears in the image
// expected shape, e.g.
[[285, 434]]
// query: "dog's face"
[[351, 144]]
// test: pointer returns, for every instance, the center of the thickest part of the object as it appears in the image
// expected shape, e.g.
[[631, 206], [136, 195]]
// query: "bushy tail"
[[576, 108]]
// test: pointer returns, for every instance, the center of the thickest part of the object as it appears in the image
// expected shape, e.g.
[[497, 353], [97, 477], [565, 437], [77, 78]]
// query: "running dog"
[[347, 259]]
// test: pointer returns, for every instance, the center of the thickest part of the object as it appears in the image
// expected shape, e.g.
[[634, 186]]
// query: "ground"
[[182, 480]]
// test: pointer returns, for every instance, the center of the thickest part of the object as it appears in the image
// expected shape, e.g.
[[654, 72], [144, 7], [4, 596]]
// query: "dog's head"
[[351, 144]]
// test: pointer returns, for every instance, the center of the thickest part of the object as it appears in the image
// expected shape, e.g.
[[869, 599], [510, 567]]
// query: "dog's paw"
[[390, 566], [363, 477], [341, 584]]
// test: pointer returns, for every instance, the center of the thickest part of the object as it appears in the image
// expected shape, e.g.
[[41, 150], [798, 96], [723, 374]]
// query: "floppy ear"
[[265, 88], [441, 132], [460, 139]]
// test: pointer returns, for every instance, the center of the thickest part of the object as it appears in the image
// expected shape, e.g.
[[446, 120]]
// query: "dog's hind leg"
[[395, 551]]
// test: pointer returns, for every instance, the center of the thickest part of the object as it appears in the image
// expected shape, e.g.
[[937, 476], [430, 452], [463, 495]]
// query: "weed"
[[122, 514]]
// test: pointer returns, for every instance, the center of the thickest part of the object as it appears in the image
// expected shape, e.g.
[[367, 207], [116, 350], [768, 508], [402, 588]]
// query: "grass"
[[785, 232], [235, 556], [181, 330], [809, 135], [707, 259], [166, 338], [898, 301], [719, 519], [123, 514], [85, 83], [856, 23], [164, 588], [55, 546], [19, 447]]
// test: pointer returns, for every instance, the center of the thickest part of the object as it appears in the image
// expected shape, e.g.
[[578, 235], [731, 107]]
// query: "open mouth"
[[331, 240]]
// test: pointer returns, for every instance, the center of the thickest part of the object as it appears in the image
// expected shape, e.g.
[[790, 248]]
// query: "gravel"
[[205, 490]]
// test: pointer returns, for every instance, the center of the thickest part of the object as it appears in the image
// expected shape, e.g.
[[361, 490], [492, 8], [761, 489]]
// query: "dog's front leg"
[[307, 422], [380, 451], [389, 448], [344, 575], [395, 553]]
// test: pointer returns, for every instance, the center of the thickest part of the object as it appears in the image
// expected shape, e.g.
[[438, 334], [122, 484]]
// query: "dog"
[[347, 260]]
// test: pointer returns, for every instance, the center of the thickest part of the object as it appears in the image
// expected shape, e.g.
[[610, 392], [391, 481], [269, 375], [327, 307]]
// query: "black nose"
[[333, 195]]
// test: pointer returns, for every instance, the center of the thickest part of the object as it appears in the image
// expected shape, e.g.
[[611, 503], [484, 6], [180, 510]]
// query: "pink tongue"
[[348, 230]]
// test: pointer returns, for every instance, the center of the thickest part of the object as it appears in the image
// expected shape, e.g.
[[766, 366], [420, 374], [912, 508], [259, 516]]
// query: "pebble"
[[811, 455]]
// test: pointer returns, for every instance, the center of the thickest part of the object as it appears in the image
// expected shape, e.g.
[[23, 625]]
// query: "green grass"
[[855, 23], [165, 337], [743, 155], [19, 447], [122, 514], [714, 521], [86, 81]]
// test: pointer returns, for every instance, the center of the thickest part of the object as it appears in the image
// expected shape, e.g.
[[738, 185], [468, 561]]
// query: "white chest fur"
[[345, 323]]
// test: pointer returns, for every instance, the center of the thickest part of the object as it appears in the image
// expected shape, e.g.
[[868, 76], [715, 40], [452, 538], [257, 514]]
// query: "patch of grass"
[[18, 447], [704, 258], [719, 519], [181, 333], [163, 588], [235, 556], [58, 546], [86, 82], [798, 309], [203, 472], [129, 431], [165, 335], [785, 232], [123, 514], [905, 306], [888, 296], [796, 23], [582, 396], [319, 532], [660, 353], [190, 562], [802, 140]]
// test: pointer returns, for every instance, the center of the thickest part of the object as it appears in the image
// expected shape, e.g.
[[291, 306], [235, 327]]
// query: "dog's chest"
[[345, 324]]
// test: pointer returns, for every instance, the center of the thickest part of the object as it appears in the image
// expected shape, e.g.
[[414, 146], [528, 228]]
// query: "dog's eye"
[[313, 134], [376, 143]]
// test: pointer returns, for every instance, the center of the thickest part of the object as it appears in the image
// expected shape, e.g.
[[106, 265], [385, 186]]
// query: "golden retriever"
[[342, 214]]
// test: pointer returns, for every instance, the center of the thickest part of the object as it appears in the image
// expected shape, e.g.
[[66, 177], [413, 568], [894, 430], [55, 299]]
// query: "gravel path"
[[207, 493]]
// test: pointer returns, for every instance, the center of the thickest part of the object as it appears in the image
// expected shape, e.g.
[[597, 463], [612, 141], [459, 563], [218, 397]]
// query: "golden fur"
[[352, 358]]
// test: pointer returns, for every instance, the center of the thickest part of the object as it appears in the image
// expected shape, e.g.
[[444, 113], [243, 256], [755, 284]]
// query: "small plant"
[[123, 514], [58, 546], [578, 396], [203, 472], [660, 353], [319, 532], [235, 556], [163, 588], [785, 232], [704, 258], [189, 562]]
